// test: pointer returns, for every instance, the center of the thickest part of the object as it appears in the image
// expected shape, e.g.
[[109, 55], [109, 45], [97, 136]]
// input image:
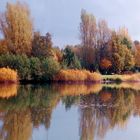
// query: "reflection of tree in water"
[[68, 101], [35, 104], [98, 113], [92, 117], [137, 104], [29, 109], [17, 125], [124, 104], [42, 113]]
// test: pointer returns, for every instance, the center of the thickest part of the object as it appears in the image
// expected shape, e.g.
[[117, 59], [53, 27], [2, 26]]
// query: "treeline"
[[35, 57], [104, 49]]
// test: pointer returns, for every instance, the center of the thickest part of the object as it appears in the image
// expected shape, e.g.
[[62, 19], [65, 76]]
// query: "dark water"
[[69, 112]]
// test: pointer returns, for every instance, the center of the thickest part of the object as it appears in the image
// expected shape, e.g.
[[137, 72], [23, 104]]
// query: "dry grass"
[[77, 76], [8, 90], [8, 75]]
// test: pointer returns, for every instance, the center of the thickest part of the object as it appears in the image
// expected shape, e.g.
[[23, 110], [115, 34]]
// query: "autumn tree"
[[104, 33], [42, 45], [121, 57], [16, 27], [137, 53], [103, 37], [88, 29], [58, 54], [94, 37], [105, 64], [125, 37], [88, 32], [3, 46]]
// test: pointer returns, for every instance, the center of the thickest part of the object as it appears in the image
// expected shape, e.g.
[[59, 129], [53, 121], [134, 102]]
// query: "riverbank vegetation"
[[122, 78], [35, 58], [77, 76], [8, 76]]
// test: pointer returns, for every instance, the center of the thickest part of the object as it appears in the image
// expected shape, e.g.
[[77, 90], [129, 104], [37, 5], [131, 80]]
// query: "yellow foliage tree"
[[137, 54], [16, 26]]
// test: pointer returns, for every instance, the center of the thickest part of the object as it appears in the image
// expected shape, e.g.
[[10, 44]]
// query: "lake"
[[70, 112]]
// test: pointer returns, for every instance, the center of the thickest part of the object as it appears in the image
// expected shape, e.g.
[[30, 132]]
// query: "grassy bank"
[[8, 75], [122, 78]]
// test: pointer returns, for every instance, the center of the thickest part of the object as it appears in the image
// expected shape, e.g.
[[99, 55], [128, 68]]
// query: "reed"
[[8, 75], [77, 76]]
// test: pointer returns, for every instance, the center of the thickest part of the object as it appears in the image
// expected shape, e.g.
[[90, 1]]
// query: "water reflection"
[[99, 113], [7, 91], [99, 110]]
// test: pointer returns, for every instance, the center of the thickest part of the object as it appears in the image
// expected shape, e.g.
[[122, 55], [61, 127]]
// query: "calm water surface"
[[69, 112]]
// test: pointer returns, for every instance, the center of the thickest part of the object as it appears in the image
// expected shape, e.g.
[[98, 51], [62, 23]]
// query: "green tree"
[[35, 68], [70, 60], [50, 67], [21, 63]]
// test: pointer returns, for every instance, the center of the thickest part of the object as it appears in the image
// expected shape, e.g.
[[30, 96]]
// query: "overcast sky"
[[62, 17]]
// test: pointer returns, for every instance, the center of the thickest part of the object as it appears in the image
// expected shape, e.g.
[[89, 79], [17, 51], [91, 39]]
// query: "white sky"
[[62, 17]]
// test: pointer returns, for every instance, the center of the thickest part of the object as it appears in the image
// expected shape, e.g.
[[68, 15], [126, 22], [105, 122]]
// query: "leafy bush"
[[31, 68], [35, 68], [21, 63], [50, 67]]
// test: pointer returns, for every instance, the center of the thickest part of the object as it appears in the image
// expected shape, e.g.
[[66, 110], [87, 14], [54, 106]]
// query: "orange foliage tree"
[[105, 63], [3, 47]]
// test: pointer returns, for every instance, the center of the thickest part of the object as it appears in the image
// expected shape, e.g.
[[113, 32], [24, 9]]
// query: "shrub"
[[8, 75], [77, 75], [50, 67], [31, 68], [35, 68], [21, 63]]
